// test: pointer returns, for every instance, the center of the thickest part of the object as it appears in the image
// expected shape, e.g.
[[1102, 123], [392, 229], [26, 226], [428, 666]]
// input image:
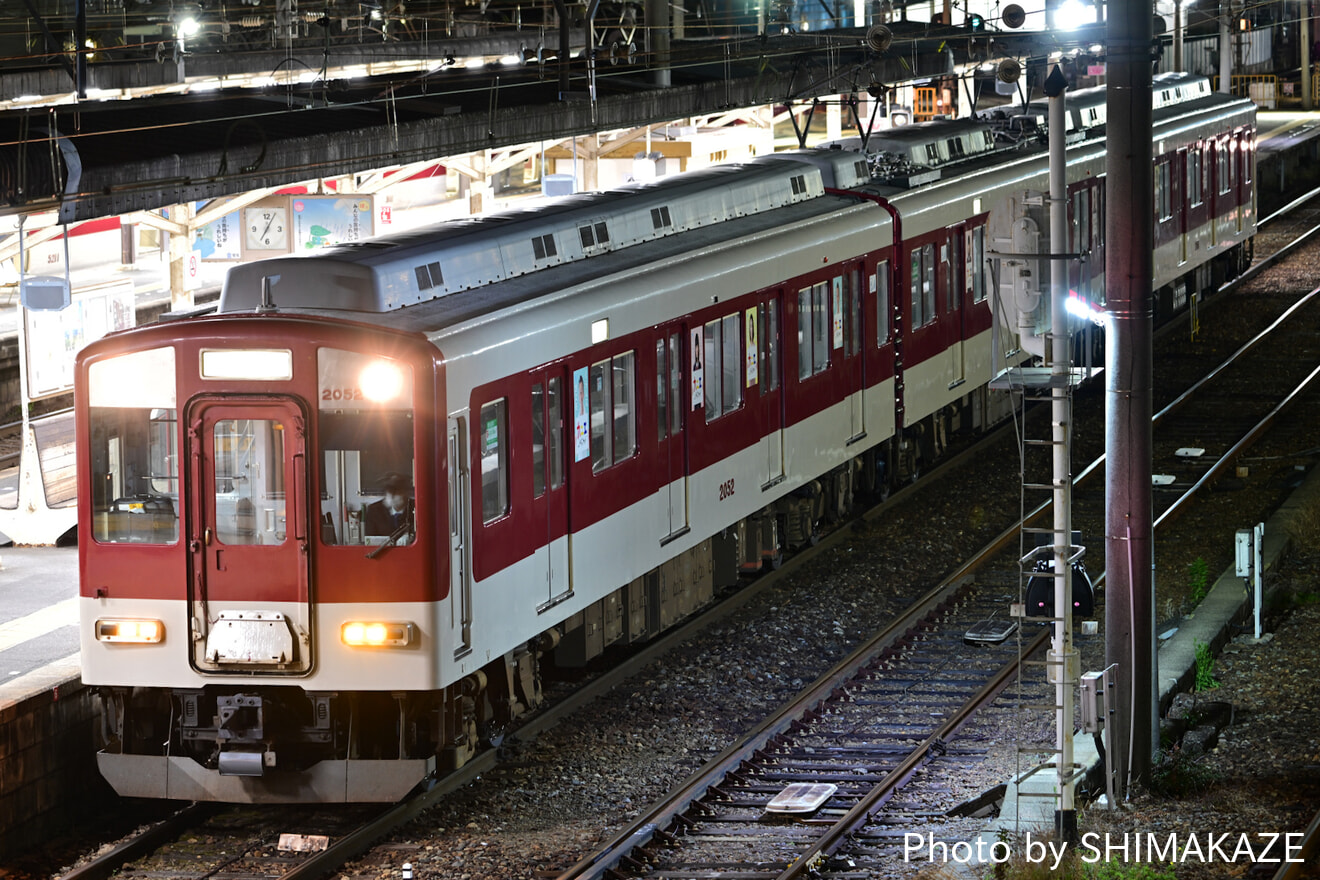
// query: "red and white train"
[[604, 407]]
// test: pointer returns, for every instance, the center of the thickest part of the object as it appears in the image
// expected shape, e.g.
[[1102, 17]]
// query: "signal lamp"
[[376, 634], [141, 632]]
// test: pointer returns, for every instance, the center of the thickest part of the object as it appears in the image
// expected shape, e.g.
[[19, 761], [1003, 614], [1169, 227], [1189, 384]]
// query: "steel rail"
[[1237, 448], [1310, 848], [659, 815], [923, 754], [1247, 346], [105, 865], [1293, 205]]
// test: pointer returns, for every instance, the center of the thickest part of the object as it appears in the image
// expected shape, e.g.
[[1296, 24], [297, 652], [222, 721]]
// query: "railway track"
[[349, 843], [730, 800]]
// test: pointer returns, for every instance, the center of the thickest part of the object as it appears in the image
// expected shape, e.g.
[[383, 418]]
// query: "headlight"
[[141, 632], [368, 633], [381, 381]]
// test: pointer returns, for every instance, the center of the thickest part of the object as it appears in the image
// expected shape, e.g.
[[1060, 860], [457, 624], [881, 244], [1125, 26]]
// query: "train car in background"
[[605, 407]]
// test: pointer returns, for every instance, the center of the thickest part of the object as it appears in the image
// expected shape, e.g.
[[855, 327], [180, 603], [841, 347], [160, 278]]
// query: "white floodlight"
[[1072, 14]]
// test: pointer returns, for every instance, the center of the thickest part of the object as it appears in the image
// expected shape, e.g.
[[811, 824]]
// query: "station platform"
[[38, 620], [1282, 130]]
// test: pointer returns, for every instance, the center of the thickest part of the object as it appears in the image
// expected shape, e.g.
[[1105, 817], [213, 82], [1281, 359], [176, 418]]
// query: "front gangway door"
[[248, 536]]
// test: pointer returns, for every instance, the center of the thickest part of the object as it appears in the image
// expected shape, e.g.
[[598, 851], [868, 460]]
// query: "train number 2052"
[[726, 489], [341, 393]]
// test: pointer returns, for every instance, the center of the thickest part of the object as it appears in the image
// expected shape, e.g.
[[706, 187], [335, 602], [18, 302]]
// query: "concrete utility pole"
[[656, 15], [1307, 97], [1129, 269], [1177, 36], [1062, 658], [1225, 47]]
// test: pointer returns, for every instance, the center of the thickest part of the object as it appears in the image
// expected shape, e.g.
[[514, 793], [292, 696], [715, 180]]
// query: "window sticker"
[[838, 311], [581, 420], [698, 371], [751, 350]]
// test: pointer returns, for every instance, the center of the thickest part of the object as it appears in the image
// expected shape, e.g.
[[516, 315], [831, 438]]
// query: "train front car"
[[258, 541]]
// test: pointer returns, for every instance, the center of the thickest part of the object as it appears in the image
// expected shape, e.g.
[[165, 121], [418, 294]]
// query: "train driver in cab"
[[394, 511]]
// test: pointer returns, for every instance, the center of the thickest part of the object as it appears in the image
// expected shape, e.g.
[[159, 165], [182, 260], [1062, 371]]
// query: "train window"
[[599, 397], [669, 386], [918, 300], [1248, 150], [978, 264], [1163, 190], [365, 440], [538, 440], [731, 366], [722, 372], [1195, 195], [820, 328], [249, 481], [804, 332], [813, 330], [625, 426], [613, 437], [882, 305], [547, 436], [928, 280], [923, 285], [134, 448], [852, 312], [662, 400], [555, 432], [675, 383], [950, 256], [493, 448], [1081, 219], [767, 318], [1222, 166]]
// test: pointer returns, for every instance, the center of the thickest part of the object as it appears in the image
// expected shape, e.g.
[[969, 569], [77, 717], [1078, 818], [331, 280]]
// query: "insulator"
[[879, 37], [251, 21]]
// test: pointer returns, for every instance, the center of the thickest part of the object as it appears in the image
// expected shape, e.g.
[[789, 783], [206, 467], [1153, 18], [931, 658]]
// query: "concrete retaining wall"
[[48, 775]]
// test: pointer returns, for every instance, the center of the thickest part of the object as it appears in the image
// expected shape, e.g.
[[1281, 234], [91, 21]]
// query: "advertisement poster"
[[698, 373], [838, 312], [752, 351], [321, 221], [53, 338], [581, 416], [218, 240]]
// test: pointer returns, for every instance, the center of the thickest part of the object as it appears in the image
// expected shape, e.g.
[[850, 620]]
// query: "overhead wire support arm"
[[55, 48]]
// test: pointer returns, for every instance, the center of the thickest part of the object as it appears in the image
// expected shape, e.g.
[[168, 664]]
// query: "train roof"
[[413, 267], [1086, 108]]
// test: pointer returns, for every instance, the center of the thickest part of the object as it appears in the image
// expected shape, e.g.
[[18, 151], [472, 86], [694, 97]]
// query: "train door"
[[460, 573], [769, 381], [1178, 176], [954, 273], [249, 528], [672, 403], [550, 478], [849, 307]]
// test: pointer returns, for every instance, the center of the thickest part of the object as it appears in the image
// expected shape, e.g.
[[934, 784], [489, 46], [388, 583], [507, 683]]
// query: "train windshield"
[[366, 448], [134, 452]]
